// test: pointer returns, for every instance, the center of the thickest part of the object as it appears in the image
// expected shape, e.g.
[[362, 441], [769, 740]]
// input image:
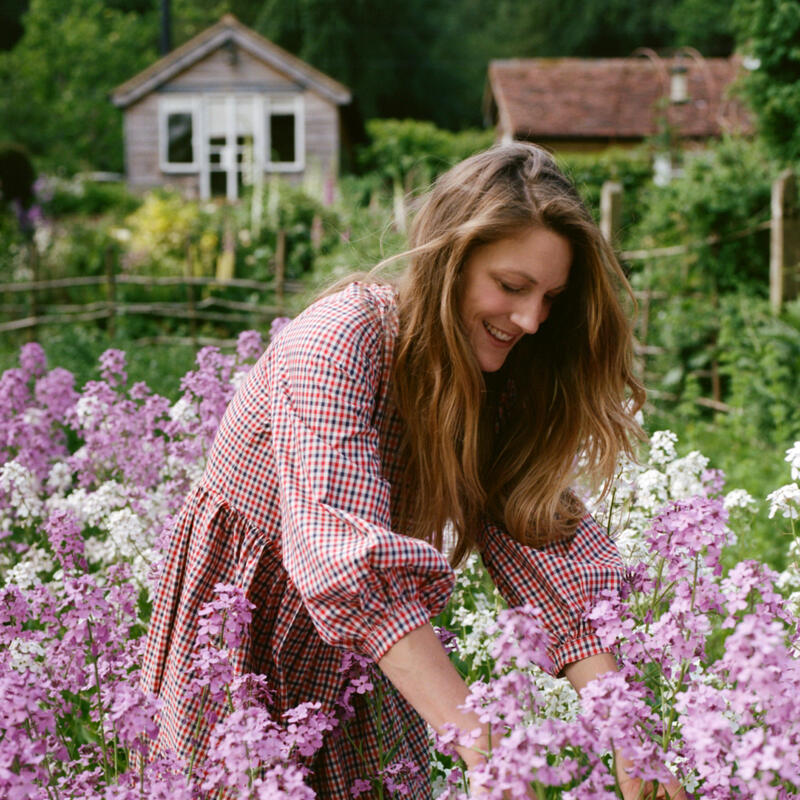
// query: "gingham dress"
[[296, 507]]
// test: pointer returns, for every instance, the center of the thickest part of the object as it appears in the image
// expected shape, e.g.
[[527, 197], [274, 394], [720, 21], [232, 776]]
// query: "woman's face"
[[508, 287]]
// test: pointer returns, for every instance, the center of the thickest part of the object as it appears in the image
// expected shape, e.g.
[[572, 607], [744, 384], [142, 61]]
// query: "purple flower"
[[32, 360], [360, 786], [249, 345], [66, 539], [112, 364], [277, 325]]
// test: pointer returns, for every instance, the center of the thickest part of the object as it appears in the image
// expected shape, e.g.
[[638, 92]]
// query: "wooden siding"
[[216, 74], [217, 71], [322, 135], [141, 143]]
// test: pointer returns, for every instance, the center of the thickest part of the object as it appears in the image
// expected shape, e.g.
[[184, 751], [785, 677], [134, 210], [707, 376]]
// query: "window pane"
[[179, 139], [281, 137]]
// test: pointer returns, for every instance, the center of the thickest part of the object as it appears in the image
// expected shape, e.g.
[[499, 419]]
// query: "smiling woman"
[[382, 416]]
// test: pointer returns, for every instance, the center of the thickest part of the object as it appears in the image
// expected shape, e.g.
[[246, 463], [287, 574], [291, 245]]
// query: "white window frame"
[[283, 105], [179, 105]]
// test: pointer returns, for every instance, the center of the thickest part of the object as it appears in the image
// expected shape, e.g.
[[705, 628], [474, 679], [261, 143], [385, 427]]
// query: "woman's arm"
[[579, 673], [421, 671]]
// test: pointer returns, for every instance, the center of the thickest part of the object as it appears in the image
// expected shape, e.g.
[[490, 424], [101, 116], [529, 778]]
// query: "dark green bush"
[[17, 174], [724, 191], [632, 169], [413, 153], [79, 196]]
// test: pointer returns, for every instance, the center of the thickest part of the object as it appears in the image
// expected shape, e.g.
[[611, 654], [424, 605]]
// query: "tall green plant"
[[769, 32], [57, 79], [724, 191]]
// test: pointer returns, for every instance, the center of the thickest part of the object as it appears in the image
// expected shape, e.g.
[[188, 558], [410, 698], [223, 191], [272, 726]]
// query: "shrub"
[[632, 169], [83, 196], [723, 191], [17, 174]]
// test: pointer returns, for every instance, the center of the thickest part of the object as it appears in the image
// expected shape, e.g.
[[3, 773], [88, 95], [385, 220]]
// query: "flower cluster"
[[90, 480]]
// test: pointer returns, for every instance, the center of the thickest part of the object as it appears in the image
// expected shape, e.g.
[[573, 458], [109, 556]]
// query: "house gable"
[[227, 108], [224, 40]]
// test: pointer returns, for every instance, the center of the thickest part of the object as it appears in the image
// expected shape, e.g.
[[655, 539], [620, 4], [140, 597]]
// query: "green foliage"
[[769, 31], [76, 196], [163, 228], [77, 348], [413, 153], [17, 174], [759, 356], [58, 77], [703, 24], [723, 192], [379, 48], [630, 168], [294, 211]]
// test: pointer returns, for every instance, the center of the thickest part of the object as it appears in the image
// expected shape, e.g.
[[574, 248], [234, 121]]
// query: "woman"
[[379, 417]]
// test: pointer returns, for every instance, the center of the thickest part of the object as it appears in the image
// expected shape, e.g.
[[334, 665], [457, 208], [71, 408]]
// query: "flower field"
[[90, 480]]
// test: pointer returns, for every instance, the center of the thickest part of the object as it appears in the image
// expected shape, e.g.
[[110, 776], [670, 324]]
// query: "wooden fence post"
[[280, 264], [399, 205], [188, 272], [611, 211], [111, 289], [316, 233], [33, 255], [784, 250]]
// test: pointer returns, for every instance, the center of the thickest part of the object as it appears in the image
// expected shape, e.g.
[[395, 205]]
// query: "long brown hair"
[[567, 394]]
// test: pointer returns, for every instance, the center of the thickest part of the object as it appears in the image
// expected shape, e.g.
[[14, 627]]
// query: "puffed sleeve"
[[561, 579], [364, 586]]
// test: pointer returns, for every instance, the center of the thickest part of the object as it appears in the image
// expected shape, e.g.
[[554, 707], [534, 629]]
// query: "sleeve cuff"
[[575, 650], [403, 620]]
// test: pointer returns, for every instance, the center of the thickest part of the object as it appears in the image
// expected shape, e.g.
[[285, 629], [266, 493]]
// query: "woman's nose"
[[531, 314]]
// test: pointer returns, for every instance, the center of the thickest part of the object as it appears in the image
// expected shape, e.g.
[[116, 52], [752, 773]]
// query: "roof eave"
[[210, 40]]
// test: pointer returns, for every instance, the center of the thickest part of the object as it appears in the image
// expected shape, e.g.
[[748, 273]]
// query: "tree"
[[705, 25], [381, 49], [58, 77], [768, 31]]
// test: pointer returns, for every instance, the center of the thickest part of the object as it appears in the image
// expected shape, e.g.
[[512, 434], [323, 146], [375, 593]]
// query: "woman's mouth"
[[498, 335]]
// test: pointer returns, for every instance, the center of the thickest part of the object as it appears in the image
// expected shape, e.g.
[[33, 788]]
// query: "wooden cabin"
[[226, 109]]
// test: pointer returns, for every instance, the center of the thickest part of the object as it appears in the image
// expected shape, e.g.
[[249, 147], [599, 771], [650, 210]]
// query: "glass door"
[[232, 151]]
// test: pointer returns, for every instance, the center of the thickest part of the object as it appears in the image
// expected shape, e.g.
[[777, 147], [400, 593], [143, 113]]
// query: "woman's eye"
[[510, 289]]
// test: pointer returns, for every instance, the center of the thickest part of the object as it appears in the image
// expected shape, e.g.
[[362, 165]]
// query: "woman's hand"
[[637, 789]]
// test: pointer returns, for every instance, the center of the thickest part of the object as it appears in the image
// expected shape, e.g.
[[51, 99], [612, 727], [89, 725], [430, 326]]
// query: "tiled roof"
[[228, 29], [615, 98]]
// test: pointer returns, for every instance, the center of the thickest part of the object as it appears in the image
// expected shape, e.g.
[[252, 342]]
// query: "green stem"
[[196, 733], [100, 714]]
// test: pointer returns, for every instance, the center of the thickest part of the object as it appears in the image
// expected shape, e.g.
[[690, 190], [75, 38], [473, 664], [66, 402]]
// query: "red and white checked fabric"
[[296, 507]]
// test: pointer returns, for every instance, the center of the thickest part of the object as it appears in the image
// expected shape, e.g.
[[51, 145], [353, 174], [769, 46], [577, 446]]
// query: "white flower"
[[662, 447], [740, 498], [88, 409], [23, 489], [793, 457], [98, 505], [122, 235], [60, 478], [126, 530], [652, 489], [33, 416], [184, 411], [685, 475], [785, 500], [237, 379], [25, 655], [25, 573]]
